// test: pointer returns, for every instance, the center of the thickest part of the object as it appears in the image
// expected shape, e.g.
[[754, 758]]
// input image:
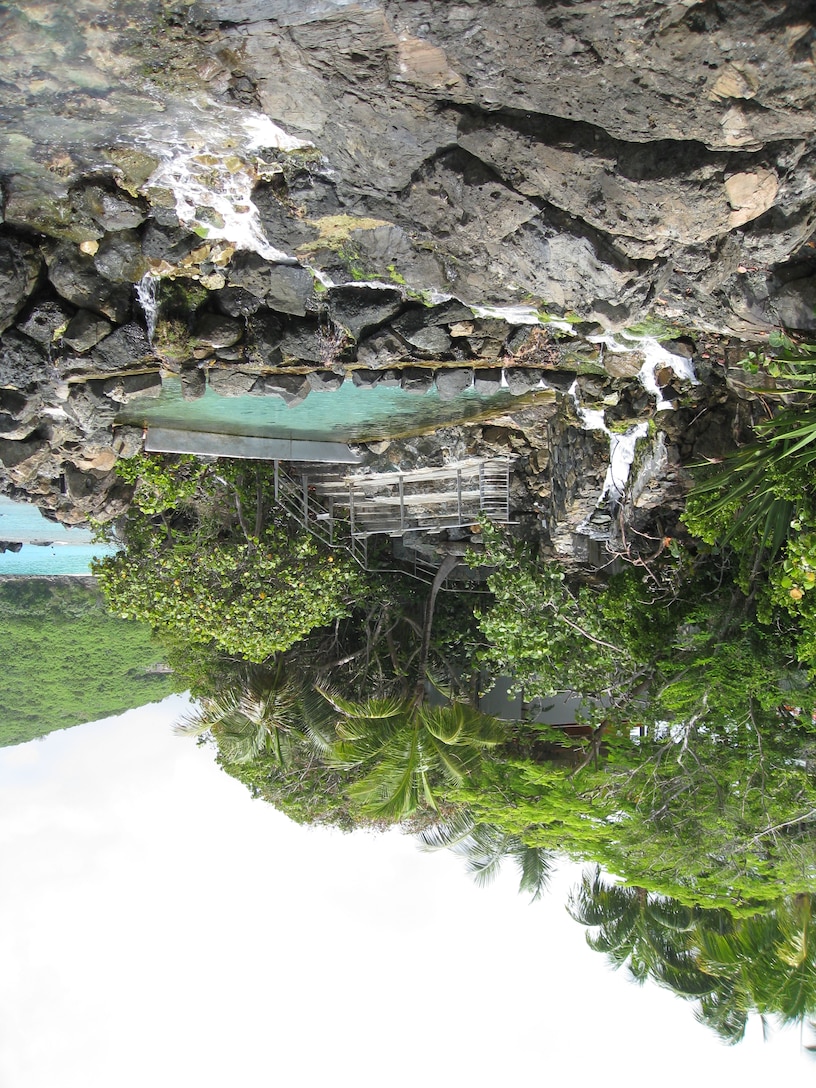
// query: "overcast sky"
[[159, 928]]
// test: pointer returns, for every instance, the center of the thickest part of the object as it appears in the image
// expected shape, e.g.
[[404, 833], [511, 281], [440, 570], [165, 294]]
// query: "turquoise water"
[[348, 414], [48, 548]]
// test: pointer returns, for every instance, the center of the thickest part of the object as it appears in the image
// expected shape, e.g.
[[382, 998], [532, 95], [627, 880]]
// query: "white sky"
[[159, 928]]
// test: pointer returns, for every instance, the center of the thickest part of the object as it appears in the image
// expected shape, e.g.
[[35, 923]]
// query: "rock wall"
[[604, 157], [609, 162]]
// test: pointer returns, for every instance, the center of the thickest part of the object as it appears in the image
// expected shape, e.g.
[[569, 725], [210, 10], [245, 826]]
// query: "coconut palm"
[[647, 933], [485, 847], [271, 711], [765, 963], [406, 751]]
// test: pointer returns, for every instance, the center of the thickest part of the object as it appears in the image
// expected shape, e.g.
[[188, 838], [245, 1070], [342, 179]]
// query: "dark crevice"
[[637, 161]]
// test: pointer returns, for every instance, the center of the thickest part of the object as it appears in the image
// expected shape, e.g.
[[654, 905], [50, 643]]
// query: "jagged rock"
[[128, 387], [85, 330], [322, 381], [795, 305], [44, 321], [193, 383], [381, 350], [429, 340], [289, 289], [450, 383], [20, 266], [112, 211], [360, 309], [89, 407], [301, 342], [76, 279], [264, 335], [521, 380], [231, 382], [126, 348], [487, 381], [292, 388], [127, 441], [23, 363], [250, 272], [417, 380], [215, 331]]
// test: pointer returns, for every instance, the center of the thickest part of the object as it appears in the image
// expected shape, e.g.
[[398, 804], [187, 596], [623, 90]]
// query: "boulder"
[[361, 309], [451, 383], [85, 330], [76, 279], [20, 266]]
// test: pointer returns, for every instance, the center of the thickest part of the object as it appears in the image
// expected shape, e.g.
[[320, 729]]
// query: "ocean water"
[[48, 548]]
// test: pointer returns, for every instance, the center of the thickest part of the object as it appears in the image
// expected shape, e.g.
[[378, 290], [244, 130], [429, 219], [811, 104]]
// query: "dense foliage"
[[67, 661], [190, 572], [688, 771]]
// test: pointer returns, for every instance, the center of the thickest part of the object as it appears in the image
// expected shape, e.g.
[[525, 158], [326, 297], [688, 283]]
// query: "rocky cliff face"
[[608, 162], [605, 157]]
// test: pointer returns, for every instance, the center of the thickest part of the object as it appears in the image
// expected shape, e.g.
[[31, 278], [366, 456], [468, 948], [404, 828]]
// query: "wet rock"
[[33, 207], [120, 258], [250, 272], [85, 330], [365, 379], [293, 389], [237, 302], [193, 383], [20, 266], [111, 210], [622, 364], [170, 244]]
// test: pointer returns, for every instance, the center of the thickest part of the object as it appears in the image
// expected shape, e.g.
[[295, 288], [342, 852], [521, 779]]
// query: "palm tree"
[[406, 750], [646, 932], [270, 712], [485, 847], [765, 963]]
